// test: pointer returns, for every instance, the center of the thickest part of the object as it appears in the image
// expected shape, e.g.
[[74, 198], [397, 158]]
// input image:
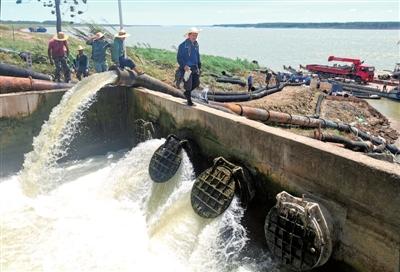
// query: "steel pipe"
[[304, 121], [17, 84]]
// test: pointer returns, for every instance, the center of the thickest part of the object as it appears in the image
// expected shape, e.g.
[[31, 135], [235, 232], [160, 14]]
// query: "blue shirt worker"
[[189, 62], [118, 52], [99, 49], [81, 64]]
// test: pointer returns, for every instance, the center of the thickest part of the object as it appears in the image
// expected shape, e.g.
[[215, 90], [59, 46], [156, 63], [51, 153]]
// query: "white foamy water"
[[107, 215], [39, 171]]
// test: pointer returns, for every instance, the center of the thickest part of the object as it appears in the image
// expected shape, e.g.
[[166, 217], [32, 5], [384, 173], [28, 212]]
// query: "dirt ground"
[[302, 100]]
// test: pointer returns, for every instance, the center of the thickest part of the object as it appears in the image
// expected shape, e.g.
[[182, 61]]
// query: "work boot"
[[188, 98]]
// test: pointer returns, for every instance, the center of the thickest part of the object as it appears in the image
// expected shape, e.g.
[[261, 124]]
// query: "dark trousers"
[[126, 62], [192, 83], [61, 65], [79, 73]]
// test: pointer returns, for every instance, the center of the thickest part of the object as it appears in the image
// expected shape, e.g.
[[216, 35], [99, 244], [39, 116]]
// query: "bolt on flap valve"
[[298, 232], [166, 159]]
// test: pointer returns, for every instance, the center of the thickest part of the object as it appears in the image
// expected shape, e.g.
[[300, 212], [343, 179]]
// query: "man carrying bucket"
[[58, 52], [189, 62]]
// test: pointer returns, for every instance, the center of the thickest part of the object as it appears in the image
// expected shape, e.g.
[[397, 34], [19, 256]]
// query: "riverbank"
[[158, 63], [161, 64], [302, 100]]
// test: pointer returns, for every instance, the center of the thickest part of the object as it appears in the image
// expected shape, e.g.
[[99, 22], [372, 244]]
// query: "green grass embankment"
[[155, 62]]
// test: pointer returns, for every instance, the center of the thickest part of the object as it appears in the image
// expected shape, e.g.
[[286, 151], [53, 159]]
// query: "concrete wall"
[[103, 127], [362, 194], [17, 105]]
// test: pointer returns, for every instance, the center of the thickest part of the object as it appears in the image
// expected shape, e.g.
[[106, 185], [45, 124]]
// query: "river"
[[391, 110], [277, 47]]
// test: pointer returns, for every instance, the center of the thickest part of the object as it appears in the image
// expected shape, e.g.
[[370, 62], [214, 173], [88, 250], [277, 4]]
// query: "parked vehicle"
[[38, 29], [356, 71]]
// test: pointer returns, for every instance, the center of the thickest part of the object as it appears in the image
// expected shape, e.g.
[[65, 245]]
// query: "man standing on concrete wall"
[[118, 52], [189, 62], [58, 52], [99, 48]]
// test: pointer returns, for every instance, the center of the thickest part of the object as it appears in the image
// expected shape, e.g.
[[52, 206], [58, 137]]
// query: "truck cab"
[[364, 73]]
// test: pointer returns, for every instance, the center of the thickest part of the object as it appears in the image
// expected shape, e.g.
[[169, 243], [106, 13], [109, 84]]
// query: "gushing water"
[[39, 173], [108, 215]]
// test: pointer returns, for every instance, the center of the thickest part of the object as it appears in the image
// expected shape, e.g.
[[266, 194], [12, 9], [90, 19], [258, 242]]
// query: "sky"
[[208, 12]]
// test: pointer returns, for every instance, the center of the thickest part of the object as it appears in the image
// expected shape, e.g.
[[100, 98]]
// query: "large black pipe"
[[349, 144], [237, 81], [130, 78], [303, 121], [15, 71], [211, 92], [258, 90], [228, 97]]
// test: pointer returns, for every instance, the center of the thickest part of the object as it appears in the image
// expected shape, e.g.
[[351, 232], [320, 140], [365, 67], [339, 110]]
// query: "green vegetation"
[[4, 27], [212, 64], [35, 43], [155, 62]]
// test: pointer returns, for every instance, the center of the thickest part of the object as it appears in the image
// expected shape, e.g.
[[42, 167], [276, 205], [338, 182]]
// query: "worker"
[[99, 50], [250, 82], [268, 77], [81, 64], [118, 52], [58, 52], [188, 58]]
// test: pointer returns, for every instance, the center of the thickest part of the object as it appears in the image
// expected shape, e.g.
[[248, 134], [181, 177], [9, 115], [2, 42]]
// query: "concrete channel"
[[361, 194]]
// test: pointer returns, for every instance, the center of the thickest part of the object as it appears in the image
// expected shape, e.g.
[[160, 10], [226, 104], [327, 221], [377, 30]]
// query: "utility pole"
[[58, 15], [121, 24]]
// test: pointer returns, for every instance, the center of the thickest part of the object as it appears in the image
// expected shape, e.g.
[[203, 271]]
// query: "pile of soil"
[[294, 100], [360, 114]]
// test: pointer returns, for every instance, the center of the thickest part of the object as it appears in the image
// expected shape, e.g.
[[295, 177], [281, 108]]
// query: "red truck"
[[357, 71]]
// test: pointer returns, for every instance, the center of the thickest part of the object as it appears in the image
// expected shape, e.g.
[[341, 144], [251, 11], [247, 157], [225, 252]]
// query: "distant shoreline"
[[334, 25], [348, 25]]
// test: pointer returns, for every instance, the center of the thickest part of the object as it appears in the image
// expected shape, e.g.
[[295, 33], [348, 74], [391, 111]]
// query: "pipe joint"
[[126, 77]]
